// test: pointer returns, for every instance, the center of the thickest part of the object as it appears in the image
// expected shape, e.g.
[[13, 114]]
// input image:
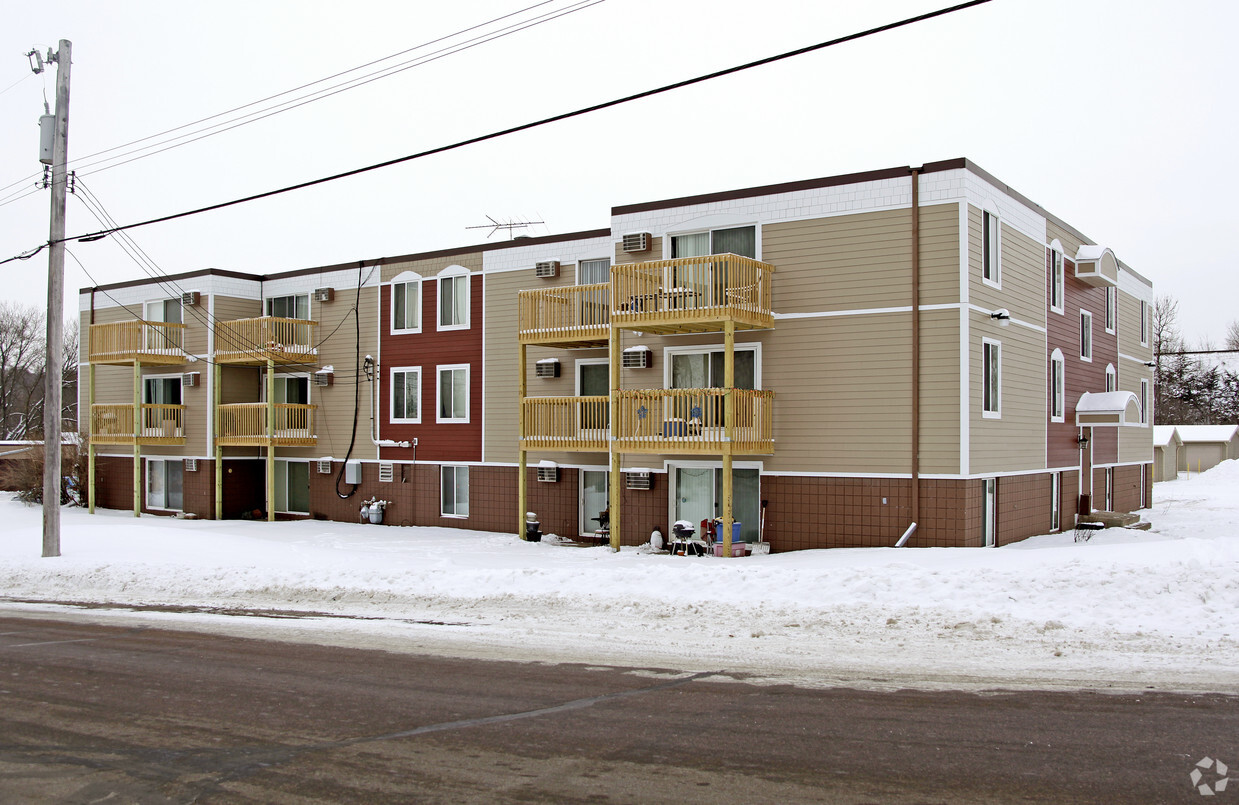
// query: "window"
[[741, 240], [1112, 378], [296, 306], [1112, 309], [453, 394], [164, 484], [989, 512], [406, 306], [991, 378], [454, 301], [162, 338], [454, 491], [406, 398], [1056, 386], [161, 390], [1056, 280], [1086, 335], [165, 310], [1145, 416], [1056, 501], [991, 269], [291, 389], [292, 486], [1144, 323], [592, 272]]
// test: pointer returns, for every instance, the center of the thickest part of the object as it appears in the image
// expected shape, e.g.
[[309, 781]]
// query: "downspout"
[[916, 353], [371, 372]]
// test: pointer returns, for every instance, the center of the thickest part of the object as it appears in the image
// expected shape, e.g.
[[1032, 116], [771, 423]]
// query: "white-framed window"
[[1144, 323], [1057, 379], [1145, 415], [454, 491], [454, 298], [292, 486], [1086, 335], [991, 249], [1112, 378], [1056, 501], [167, 311], [593, 272], [453, 393], [406, 304], [1112, 309], [704, 367], [1056, 277], [406, 395], [164, 484], [991, 378], [161, 389], [741, 240], [294, 306], [290, 388]]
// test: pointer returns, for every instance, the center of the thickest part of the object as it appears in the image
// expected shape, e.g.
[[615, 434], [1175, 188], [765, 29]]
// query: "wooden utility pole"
[[55, 307]]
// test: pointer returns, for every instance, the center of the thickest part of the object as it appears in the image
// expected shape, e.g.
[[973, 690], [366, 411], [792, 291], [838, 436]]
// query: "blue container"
[[735, 532]]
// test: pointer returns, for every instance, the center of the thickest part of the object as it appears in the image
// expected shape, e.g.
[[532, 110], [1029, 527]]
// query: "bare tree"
[[1166, 336], [1232, 335], [22, 362], [68, 375]]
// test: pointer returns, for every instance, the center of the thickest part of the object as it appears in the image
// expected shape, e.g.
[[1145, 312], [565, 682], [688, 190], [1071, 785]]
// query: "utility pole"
[[55, 306]]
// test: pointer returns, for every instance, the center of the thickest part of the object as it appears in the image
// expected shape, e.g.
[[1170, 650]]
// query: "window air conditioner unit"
[[548, 475], [547, 367], [190, 379], [324, 378], [324, 294], [636, 358], [550, 268], [639, 480], [191, 465], [637, 242], [386, 472], [324, 466], [190, 298]]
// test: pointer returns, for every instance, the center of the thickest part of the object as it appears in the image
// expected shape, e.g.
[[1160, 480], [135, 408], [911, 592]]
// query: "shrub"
[[23, 473]]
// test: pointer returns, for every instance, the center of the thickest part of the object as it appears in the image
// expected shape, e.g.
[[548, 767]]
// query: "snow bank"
[[1126, 609]]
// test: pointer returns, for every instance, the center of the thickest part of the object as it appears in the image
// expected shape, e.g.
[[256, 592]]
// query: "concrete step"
[[1141, 526], [1114, 519]]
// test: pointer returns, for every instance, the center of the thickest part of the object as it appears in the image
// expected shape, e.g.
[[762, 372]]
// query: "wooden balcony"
[[566, 316], [160, 424], [565, 423], [255, 341], [245, 425], [694, 421], [692, 294], [126, 342]]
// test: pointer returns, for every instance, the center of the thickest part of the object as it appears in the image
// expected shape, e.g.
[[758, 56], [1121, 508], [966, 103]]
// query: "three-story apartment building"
[[826, 362]]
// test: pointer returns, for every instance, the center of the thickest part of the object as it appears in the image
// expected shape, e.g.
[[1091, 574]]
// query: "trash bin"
[[533, 531]]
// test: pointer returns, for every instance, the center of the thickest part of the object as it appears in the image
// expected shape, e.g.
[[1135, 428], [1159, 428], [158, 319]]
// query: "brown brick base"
[[803, 512]]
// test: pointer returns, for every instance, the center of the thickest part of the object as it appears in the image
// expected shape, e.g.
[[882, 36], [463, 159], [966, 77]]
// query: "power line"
[[548, 120], [81, 164]]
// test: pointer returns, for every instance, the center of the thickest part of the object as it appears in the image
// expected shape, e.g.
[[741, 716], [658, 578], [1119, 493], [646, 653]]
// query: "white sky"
[[1114, 115]]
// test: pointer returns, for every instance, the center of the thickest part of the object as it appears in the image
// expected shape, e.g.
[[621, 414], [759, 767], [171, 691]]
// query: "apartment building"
[[826, 362]]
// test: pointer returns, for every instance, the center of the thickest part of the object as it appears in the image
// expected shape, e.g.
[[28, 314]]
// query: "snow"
[[1162, 434], [1207, 433], [1126, 610]]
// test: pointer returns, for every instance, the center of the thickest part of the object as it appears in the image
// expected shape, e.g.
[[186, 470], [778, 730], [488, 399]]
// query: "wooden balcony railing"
[[694, 421], [571, 315], [255, 341], [245, 425], [136, 340], [692, 294], [160, 424], [565, 423]]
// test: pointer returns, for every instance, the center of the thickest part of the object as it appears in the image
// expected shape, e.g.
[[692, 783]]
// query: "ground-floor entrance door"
[[594, 498], [698, 495]]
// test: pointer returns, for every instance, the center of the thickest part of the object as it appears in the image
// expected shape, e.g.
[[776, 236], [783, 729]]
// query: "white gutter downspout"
[[380, 442]]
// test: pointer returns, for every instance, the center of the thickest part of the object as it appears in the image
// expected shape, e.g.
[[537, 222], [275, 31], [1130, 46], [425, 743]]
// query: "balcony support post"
[[614, 485], [522, 483], [270, 440], [137, 441], [729, 385], [90, 436], [216, 396]]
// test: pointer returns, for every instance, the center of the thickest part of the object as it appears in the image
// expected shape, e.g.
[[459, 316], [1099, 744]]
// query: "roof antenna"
[[511, 225]]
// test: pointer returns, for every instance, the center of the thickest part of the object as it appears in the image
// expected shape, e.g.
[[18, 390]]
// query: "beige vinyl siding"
[[500, 353], [338, 347], [1070, 243], [1022, 273], [1129, 329], [940, 391], [1016, 441], [197, 326], [655, 251]]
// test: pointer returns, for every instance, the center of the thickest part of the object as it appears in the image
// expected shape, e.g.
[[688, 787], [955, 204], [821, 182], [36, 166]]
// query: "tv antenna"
[[494, 226]]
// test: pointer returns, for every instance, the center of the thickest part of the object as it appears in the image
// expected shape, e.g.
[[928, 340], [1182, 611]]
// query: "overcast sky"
[[1117, 116]]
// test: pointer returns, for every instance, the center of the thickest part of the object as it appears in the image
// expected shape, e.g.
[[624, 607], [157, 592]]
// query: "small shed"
[[1206, 446], [1167, 445]]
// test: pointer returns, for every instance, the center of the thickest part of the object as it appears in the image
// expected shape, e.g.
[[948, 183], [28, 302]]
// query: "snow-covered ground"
[[1126, 610]]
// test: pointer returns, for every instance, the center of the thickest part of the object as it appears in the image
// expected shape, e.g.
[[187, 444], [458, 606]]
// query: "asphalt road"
[[107, 714]]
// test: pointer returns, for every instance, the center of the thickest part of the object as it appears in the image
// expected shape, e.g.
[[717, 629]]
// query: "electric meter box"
[[352, 472]]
